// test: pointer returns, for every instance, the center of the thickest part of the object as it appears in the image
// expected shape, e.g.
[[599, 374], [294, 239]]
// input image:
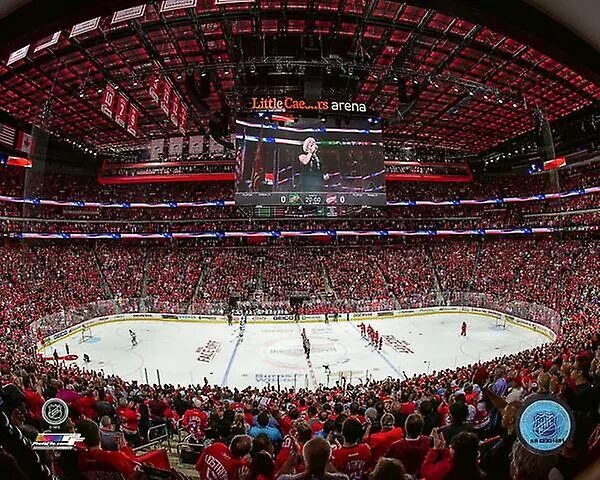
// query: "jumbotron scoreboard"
[[309, 156]]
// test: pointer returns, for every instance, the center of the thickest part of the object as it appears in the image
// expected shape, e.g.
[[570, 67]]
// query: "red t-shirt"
[[194, 415], [34, 402], [437, 464], [380, 442], [284, 454], [87, 407], [129, 419], [97, 459], [195, 422], [286, 424], [353, 461], [411, 452], [217, 463]]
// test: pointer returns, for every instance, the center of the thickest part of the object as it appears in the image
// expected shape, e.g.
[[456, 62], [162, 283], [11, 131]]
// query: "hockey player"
[[133, 338], [463, 329], [363, 330]]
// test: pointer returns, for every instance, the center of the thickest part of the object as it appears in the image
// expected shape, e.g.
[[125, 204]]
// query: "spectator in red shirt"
[[220, 462], [457, 463], [86, 405], [129, 419], [195, 421], [300, 434], [380, 442], [96, 459], [353, 458], [288, 420], [33, 399], [412, 449]]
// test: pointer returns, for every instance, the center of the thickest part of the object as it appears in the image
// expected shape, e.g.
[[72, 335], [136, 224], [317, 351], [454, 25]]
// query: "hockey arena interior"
[[300, 240]]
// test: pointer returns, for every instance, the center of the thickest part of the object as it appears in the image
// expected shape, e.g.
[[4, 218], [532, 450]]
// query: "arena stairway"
[[198, 287], [144, 285], [105, 285], [172, 444]]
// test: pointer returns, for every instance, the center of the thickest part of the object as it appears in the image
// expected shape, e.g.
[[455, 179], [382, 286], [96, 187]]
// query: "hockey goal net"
[[501, 321], [85, 335]]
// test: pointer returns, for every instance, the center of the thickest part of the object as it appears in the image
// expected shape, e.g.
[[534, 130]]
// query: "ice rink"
[[185, 353]]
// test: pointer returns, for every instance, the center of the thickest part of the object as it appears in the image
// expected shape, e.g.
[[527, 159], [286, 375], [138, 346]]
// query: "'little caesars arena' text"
[[272, 104]]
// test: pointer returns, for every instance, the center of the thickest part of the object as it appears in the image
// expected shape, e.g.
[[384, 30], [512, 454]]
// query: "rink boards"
[[268, 350], [275, 319]]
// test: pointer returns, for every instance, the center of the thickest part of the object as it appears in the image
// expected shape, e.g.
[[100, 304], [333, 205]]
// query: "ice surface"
[[272, 353]]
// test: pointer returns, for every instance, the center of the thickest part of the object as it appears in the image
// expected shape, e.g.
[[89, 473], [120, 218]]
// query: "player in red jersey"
[[220, 462], [463, 329], [353, 458]]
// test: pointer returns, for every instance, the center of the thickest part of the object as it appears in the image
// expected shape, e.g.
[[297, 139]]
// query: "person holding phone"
[[459, 462]]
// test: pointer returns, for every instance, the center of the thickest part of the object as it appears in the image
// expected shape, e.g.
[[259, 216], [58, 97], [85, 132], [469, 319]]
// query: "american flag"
[[7, 135]]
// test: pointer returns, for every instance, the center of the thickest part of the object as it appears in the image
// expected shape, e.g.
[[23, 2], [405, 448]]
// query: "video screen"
[[300, 160]]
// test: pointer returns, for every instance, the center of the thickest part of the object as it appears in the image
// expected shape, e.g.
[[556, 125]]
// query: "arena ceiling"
[[464, 86]]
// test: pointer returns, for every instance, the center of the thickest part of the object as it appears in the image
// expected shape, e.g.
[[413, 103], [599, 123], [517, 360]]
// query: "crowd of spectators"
[[203, 280], [574, 211], [121, 269], [451, 424], [306, 278]]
